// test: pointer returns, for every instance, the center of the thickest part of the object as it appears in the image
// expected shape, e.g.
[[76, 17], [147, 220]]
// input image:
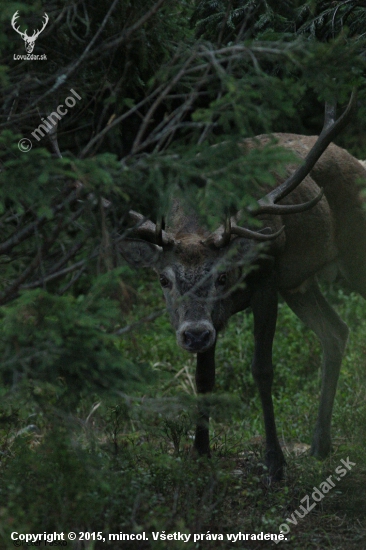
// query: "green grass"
[[123, 463]]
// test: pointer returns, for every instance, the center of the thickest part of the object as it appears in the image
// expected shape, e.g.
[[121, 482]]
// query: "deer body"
[[202, 276], [333, 232]]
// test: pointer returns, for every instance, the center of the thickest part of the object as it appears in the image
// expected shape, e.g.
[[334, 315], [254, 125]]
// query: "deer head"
[[207, 277], [29, 40]]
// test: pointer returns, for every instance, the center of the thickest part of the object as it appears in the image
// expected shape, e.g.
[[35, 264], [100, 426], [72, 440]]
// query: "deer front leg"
[[264, 306], [205, 381]]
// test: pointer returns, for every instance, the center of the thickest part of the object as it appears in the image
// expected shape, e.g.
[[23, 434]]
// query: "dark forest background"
[[97, 402]]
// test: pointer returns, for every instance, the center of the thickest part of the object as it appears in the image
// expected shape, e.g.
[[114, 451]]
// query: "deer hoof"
[[275, 462], [197, 452], [320, 451]]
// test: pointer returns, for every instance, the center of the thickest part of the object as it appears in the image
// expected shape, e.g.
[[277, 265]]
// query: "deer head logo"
[[29, 40]]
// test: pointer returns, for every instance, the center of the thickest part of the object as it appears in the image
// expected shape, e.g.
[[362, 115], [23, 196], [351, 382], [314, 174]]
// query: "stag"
[[29, 40], [321, 228]]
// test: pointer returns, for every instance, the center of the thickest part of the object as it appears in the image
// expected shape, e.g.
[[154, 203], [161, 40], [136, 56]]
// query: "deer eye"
[[221, 279], [164, 281]]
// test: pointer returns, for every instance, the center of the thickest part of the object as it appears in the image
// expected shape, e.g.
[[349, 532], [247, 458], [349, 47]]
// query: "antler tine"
[[255, 235], [46, 19], [13, 23], [221, 237], [225, 237], [14, 19], [331, 128], [159, 231], [150, 231], [285, 209]]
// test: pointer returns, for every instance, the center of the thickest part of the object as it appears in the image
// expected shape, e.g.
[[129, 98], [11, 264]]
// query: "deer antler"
[[267, 205], [13, 22], [24, 34], [150, 231], [37, 33], [331, 128], [221, 237]]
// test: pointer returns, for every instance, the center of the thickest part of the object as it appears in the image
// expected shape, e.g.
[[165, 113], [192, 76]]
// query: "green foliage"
[[56, 349], [74, 469], [98, 407], [241, 19], [125, 466]]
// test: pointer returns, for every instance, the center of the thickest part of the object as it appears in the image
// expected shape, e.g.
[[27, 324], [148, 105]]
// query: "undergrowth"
[[122, 462]]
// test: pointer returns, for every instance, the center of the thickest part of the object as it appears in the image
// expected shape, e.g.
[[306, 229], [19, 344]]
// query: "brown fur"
[[203, 285], [315, 238]]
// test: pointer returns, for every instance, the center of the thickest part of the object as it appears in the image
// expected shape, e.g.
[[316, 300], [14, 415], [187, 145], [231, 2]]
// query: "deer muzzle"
[[196, 337]]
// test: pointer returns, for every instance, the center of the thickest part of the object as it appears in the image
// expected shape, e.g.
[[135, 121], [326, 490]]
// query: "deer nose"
[[196, 340]]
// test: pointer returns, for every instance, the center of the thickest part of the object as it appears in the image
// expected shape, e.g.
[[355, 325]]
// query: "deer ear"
[[140, 253]]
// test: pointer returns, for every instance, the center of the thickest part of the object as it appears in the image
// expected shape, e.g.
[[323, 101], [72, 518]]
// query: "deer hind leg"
[[355, 274], [352, 251], [313, 309]]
